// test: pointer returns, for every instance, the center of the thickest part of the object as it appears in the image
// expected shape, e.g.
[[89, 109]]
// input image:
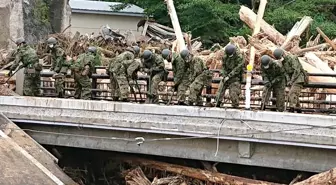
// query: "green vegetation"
[[41, 11], [216, 20]]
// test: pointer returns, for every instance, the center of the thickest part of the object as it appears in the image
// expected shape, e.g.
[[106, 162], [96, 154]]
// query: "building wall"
[[88, 23]]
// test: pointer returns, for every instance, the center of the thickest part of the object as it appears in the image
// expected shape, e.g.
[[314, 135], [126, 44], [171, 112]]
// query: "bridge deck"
[[272, 139]]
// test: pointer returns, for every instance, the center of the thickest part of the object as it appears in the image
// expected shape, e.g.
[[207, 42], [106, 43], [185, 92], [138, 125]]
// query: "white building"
[[90, 16]]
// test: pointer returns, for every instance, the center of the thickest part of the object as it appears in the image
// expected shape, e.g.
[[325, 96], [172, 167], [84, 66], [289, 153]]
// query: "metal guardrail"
[[101, 91]]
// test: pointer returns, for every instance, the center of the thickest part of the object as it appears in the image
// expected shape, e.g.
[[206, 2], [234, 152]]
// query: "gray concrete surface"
[[280, 140], [23, 140]]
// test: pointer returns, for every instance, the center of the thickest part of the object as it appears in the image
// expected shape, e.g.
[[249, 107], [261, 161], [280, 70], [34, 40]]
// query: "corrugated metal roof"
[[100, 6]]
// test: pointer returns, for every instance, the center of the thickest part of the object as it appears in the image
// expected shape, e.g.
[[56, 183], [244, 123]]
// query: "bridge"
[[304, 142]]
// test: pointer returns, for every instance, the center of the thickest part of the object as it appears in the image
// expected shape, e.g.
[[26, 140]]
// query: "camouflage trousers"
[[294, 94], [182, 89], [278, 90], [82, 87], [234, 92], [154, 86], [59, 85], [196, 88], [123, 86], [31, 84], [115, 92]]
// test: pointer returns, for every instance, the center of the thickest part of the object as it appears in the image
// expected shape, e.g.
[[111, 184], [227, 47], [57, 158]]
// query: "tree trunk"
[[195, 173], [296, 31], [176, 24], [249, 17], [325, 178]]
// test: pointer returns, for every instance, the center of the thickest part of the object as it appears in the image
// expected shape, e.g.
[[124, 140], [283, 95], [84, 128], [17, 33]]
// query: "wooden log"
[[325, 178], [136, 177], [297, 30], [195, 173], [326, 38], [249, 17], [176, 24], [256, 30]]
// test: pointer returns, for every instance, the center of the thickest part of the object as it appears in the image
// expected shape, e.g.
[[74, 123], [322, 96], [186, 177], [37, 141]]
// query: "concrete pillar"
[[19, 82]]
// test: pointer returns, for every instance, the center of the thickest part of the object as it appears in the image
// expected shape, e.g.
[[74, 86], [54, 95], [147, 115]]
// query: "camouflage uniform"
[[83, 69], [60, 66], [296, 77], [200, 77], [181, 76], [232, 67], [156, 68], [275, 81], [114, 87], [118, 69], [30, 62], [97, 58]]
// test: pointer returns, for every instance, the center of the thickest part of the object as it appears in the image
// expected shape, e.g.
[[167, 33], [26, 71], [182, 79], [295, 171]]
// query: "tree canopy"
[[217, 20]]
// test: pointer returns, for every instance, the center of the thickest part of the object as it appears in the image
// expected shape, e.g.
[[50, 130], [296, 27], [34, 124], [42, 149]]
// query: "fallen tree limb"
[[325, 178], [195, 173], [326, 38], [249, 17]]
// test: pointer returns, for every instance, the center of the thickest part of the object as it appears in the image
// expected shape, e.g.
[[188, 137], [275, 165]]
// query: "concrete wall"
[[88, 23], [11, 23], [31, 19]]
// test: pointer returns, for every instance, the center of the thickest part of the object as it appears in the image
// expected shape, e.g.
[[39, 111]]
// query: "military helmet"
[[165, 53], [147, 54], [92, 49], [136, 49], [20, 41], [184, 53], [52, 40], [277, 53], [265, 60], [230, 49]]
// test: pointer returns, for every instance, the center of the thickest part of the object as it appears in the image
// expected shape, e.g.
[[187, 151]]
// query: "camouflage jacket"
[[97, 58], [196, 68], [180, 68], [120, 64], [85, 59], [59, 63], [233, 67], [27, 56], [155, 65], [294, 70], [274, 74], [199, 71]]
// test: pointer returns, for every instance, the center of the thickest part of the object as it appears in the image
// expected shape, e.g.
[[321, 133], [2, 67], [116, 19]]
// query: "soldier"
[[200, 76], [154, 66], [59, 65], [121, 69], [32, 68], [274, 78], [296, 77], [83, 69], [232, 72], [181, 73]]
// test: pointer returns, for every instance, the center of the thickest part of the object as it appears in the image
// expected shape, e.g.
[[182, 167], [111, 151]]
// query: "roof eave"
[[131, 14]]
